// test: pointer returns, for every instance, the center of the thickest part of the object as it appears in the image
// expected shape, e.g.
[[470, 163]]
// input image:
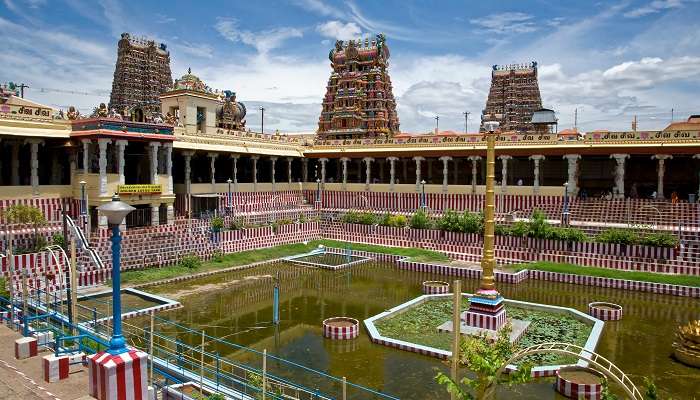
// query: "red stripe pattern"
[[118, 377], [578, 391], [341, 332], [605, 311], [485, 321], [26, 347], [55, 368], [436, 287]]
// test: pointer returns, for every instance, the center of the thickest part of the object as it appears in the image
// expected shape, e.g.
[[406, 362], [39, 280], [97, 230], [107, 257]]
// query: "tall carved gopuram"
[[513, 97], [141, 75], [359, 101]]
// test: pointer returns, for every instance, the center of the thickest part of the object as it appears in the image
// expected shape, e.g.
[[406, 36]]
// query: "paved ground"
[[24, 379]]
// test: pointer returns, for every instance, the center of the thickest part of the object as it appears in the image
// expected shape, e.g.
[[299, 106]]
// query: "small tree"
[[484, 358], [28, 215]]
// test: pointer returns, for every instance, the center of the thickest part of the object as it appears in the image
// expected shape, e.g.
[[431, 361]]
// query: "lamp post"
[[466, 121], [83, 203], [262, 119], [565, 212], [422, 198], [318, 190], [230, 196], [488, 261], [115, 211], [437, 124]]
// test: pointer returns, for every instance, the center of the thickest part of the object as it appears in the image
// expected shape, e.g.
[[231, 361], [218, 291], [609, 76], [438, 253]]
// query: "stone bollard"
[[122, 373], [25, 347]]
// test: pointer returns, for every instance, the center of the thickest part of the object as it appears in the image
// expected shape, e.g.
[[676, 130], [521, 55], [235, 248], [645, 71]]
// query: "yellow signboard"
[[139, 189]]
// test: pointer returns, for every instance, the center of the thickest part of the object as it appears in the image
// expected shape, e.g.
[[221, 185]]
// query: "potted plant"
[[217, 224]]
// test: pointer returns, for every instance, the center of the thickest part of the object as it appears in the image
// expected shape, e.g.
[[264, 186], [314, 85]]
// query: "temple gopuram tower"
[[359, 101], [513, 97], [142, 73]]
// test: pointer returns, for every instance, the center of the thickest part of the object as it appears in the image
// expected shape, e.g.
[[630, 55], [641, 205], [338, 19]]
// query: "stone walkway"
[[24, 379]]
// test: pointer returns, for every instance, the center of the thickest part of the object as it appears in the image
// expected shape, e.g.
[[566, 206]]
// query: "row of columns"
[[572, 172]]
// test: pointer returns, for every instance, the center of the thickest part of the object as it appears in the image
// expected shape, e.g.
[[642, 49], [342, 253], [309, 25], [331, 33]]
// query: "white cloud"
[[319, 7], [201, 50], [262, 41], [506, 23], [339, 30], [163, 19], [653, 8]]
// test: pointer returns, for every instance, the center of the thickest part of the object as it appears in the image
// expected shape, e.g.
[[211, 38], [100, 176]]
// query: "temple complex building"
[[513, 97], [359, 101], [141, 74], [185, 162]]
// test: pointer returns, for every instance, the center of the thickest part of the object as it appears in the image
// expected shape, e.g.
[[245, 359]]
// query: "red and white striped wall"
[[605, 311], [579, 391], [436, 287], [118, 377], [49, 206], [350, 331]]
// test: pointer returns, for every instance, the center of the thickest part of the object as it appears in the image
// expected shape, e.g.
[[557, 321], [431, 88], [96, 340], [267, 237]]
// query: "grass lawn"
[[136, 277], [608, 273], [419, 325]]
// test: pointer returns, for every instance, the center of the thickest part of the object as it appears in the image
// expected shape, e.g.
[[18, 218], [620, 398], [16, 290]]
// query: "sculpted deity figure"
[[73, 114]]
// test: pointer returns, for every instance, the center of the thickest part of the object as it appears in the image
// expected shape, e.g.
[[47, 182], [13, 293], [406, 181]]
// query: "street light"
[[83, 200], [318, 190], [422, 200], [565, 213], [437, 124], [488, 261], [115, 211], [230, 195], [262, 119]]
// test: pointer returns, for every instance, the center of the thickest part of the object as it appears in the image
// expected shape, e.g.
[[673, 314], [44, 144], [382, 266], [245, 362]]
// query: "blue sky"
[[610, 60]]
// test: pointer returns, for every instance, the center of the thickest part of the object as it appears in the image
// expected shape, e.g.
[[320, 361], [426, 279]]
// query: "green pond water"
[[237, 306]]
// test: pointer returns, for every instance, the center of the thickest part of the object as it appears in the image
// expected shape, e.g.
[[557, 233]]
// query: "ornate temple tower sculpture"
[[359, 101], [232, 112], [514, 96], [141, 74]]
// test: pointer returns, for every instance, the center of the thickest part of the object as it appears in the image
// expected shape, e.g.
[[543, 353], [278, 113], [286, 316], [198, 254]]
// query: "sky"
[[608, 60]]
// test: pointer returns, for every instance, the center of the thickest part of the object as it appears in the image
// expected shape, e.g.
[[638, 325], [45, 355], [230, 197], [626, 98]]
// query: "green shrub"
[[191, 261], [420, 220], [367, 218], [519, 229], [351, 217], [450, 221], [58, 240], [385, 220], [538, 224], [217, 256], [618, 236], [236, 224], [3, 288], [217, 223], [398, 221], [502, 230], [566, 234], [284, 221], [472, 222], [661, 239], [302, 218]]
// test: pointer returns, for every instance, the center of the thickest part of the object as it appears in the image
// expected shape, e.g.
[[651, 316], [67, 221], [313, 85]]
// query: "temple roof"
[[191, 82]]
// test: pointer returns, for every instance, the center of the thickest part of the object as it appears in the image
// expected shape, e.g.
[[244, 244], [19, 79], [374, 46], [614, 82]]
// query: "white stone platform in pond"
[[519, 329]]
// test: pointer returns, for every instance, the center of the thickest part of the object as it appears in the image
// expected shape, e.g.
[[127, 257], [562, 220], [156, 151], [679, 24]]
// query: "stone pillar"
[[273, 160], [168, 147], [345, 160], [323, 162], [536, 158], [619, 191], [475, 162], [445, 172], [86, 155], [34, 163], [368, 179], [418, 177], [121, 145], [504, 172], [235, 157], [661, 170], [305, 169], [289, 169], [155, 215], [170, 214], [188, 170], [14, 164], [102, 145], [154, 161], [255, 172], [572, 169], [212, 166], [392, 173]]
